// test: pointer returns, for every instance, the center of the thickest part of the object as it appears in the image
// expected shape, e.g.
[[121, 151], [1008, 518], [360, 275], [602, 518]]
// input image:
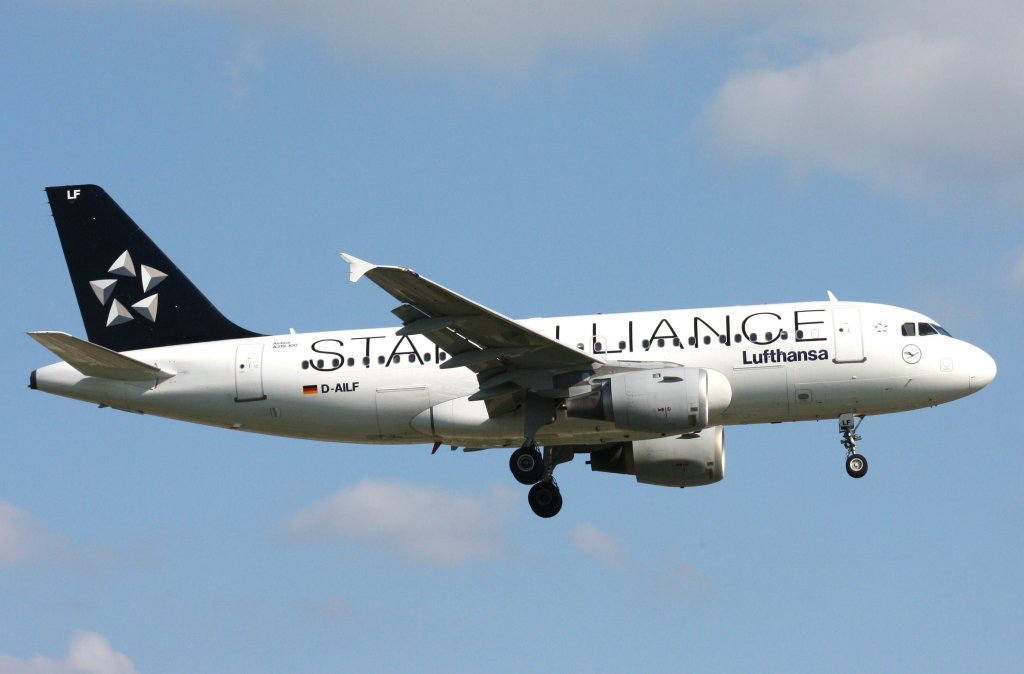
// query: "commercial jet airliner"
[[644, 394]]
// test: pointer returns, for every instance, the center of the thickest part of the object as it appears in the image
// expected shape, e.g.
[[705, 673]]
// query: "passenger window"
[[925, 329], [909, 330]]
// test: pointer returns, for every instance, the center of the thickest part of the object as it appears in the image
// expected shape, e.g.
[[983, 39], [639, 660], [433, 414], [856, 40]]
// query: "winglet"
[[831, 297], [356, 267]]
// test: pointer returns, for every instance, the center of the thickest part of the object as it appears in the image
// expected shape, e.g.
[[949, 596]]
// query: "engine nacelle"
[[689, 461], [668, 400]]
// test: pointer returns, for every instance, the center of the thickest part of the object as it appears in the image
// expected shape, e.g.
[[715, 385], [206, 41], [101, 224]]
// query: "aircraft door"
[[849, 339], [249, 373]]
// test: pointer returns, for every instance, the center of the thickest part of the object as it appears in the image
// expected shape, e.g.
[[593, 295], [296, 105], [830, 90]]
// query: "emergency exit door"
[[249, 373], [849, 338]]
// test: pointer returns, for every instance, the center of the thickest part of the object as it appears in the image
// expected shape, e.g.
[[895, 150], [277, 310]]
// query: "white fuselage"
[[784, 362]]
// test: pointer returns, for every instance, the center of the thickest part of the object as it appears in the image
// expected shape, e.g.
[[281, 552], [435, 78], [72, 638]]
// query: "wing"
[[508, 357]]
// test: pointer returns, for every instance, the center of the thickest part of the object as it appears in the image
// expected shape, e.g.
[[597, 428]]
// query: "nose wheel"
[[856, 464]]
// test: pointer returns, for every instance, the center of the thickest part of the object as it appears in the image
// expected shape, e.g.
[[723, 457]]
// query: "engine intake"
[[670, 400]]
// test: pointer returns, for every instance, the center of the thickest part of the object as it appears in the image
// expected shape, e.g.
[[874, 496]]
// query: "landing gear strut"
[[529, 466], [856, 464]]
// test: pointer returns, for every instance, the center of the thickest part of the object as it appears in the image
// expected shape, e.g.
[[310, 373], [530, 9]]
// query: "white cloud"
[[1017, 272], [599, 544], [241, 67], [681, 581], [421, 524], [22, 538], [88, 653], [671, 579], [477, 34], [910, 96], [330, 611], [907, 94], [25, 540]]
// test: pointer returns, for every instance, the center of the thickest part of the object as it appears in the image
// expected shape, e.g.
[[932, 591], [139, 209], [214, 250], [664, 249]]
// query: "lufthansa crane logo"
[[911, 354], [124, 267]]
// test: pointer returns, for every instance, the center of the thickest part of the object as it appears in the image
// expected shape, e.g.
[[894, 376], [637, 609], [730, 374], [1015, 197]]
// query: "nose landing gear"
[[856, 464]]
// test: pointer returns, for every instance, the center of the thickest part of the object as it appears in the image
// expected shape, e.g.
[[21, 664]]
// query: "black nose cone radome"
[[32, 380]]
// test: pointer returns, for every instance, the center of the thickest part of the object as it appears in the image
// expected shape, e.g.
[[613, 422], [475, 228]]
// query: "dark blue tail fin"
[[130, 294]]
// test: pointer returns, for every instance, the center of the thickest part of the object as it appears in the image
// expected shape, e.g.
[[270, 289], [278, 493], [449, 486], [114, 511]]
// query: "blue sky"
[[544, 159]]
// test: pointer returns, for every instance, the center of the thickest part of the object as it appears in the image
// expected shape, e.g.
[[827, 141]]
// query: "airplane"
[[644, 394]]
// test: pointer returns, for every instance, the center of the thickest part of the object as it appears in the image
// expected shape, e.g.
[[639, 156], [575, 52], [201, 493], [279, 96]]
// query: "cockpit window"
[[924, 329]]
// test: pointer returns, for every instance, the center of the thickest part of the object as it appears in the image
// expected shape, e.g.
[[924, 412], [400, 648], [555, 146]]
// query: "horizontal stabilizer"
[[94, 360]]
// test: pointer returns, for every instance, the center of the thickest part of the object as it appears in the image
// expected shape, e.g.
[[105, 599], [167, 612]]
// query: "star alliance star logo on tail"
[[124, 267]]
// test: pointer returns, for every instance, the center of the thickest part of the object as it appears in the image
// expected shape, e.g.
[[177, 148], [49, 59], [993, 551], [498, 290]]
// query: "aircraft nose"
[[982, 368]]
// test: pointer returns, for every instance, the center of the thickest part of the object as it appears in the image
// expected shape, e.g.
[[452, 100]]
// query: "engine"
[[669, 400], [688, 461]]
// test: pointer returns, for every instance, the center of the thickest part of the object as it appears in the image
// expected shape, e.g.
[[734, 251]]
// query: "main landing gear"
[[529, 466], [856, 464], [526, 464]]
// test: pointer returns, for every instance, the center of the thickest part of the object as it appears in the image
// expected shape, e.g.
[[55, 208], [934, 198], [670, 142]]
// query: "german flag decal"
[[306, 390]]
